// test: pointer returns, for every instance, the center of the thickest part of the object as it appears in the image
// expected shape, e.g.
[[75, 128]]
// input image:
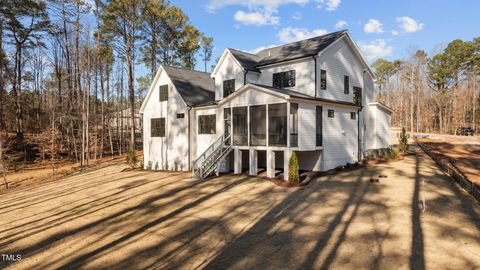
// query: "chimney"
[[268, 53]]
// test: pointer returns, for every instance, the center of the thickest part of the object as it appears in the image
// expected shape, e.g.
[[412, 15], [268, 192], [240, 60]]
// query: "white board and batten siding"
[[339, 61], [228, 69], [304, 75], [173, 148], [381, 122], [340, 141]]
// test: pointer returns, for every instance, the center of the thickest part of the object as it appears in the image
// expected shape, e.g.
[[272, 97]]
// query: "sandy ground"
[[41, 172], [463, 150], [110, 219]]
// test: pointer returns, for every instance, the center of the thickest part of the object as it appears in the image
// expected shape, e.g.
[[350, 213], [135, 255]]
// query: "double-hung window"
[[346, 85], [228, 87], [207, 124], [323, 79], [157, 126], [163, 92]]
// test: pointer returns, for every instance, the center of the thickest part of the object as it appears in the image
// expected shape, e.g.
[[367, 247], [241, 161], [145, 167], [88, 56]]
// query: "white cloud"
[[341, 24], [256, 18], [330, 5], [373, 26], [268, 5], [297, 16], [290, 34], [395, 33], [409, 25], [375, 49]]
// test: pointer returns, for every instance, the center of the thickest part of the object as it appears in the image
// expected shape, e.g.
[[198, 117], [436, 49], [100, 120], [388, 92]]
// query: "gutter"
[[315, 63], [245, 77], [189, 139]]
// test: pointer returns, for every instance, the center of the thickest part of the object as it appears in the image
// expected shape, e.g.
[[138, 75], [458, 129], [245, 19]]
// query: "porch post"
[[270, 163], [253, 161], [237, 161], [286, 160], [288, 123]]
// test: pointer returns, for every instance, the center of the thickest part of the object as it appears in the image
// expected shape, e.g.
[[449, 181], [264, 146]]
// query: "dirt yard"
[[416, 218], [464, 151]]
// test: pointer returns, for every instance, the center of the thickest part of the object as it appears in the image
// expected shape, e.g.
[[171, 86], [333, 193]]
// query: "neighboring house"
[[314, 97], [119, 118]]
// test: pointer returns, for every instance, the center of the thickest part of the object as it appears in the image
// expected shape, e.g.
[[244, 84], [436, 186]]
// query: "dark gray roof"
[[296, 94], [195, 87], [247, 60], [291, 51]]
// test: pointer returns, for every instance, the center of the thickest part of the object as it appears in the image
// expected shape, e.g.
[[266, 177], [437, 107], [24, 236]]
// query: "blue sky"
[[381, 28]]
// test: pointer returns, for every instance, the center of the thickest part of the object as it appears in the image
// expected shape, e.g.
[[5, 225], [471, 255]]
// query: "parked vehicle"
[[465, 131]]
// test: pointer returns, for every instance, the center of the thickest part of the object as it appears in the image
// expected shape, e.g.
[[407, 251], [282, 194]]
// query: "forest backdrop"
[[67, 69], [67, 72]]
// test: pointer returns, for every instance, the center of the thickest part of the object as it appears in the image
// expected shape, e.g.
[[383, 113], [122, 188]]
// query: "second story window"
[[228, 87], [353, 115], [207, 124], [331, 113], [163, 92], [357, 95], [346, 85], [284, 79], [323, 79]]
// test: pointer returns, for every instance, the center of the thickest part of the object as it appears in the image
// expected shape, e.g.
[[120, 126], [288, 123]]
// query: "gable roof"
[[295, 50], [247, 60], [298, 49], [195, 87]]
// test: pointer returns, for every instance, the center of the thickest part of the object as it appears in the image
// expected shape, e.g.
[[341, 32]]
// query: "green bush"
[[149, 165], [132, 159], [395, 153], [293, 176], [371, 155], [385, 154], [175, 166], [403, 143], [165, 166]]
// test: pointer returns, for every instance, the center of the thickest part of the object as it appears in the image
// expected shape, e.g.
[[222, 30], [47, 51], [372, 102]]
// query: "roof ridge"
[[186, 69], [336, 32], [242, 51]]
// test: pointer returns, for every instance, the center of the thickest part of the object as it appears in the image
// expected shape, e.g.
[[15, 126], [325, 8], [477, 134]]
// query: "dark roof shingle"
[[290, 51], [195, 87]]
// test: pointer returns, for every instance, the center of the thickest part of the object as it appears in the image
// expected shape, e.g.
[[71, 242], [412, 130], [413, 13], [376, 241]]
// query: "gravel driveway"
[[415, 218]]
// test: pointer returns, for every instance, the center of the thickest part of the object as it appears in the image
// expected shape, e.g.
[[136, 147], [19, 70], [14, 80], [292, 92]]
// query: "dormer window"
[[284, 79], [163, 92], [228, 87]]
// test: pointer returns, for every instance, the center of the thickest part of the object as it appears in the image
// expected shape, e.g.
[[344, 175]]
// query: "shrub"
[[394, 153], [293, 176], [149, 165], [371, 155], [165, 166], [132, 159], [142, 165], [403, 143], [385, 154], [156, 166], [175, 165]]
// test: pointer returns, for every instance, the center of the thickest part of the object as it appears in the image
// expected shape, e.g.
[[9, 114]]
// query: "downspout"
[[245, 77], [315, 63], [189, 140], [359, 154]]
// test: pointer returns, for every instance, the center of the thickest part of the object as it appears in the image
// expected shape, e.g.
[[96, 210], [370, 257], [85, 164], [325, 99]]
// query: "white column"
[[270, 163], [288, 123], [286, 160], [237, 161], [253, 161]]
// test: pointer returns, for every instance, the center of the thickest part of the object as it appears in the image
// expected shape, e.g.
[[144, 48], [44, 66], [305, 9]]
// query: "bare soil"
[[416, 218], [464, 152]]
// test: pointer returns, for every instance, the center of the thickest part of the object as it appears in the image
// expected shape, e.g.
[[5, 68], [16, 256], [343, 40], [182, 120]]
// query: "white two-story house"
[[314, 97]]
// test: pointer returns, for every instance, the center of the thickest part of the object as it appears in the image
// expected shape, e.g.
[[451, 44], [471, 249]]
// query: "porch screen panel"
[[240, 128], [258, 125], [277, 124]]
